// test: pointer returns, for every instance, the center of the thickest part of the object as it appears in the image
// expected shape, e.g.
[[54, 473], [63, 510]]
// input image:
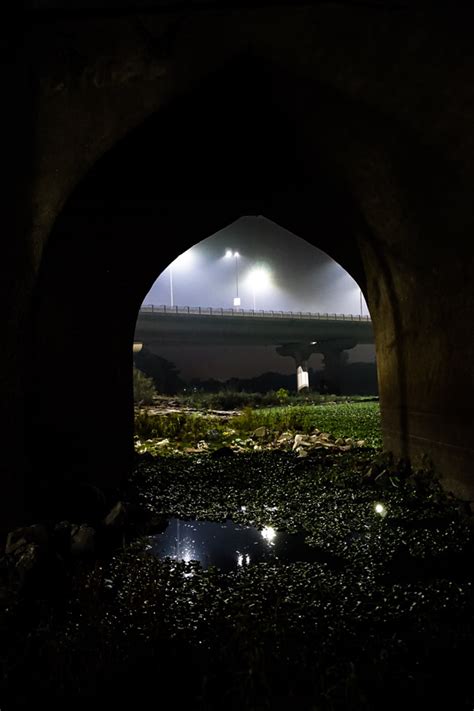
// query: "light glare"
[[268, 534], [259, 278]]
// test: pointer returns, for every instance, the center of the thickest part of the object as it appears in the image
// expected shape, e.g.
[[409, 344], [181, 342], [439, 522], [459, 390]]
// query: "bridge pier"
[[301, 354], [334, 357]]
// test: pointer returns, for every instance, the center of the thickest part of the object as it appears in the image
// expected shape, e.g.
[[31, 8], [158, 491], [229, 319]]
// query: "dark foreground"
[[381, 618]]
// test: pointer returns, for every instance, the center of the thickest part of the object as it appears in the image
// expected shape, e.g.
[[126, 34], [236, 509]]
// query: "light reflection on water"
[[229, 546]]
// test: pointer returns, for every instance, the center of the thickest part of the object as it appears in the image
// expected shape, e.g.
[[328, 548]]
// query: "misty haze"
[[299, 277]]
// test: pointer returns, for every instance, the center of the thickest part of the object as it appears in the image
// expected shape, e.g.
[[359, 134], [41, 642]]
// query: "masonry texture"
[[130, 136]]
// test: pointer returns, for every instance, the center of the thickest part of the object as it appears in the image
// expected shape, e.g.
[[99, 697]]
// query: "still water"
[[229, 546]]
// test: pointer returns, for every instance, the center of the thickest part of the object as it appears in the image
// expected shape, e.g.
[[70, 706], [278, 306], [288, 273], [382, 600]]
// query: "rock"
[[260, 432], [301, 452], [340, 441], [297, 441], [117, 516], [360, 443], [16, 548], [82, 540], [20, 537], [29, 563]]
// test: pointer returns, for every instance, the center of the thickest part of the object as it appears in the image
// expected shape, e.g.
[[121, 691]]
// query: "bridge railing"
[[249, 313]]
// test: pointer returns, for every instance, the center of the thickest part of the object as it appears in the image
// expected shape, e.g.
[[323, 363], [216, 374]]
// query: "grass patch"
[[233, 400], [185, 427], [358, 420]]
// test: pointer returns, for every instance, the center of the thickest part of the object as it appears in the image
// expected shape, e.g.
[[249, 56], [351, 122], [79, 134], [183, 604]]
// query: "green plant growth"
[[360, 420], [233, 400], [187, 428], [386, 620], [282, 395], [143, 388]]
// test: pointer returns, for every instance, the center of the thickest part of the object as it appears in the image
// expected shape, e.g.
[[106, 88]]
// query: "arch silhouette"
[[247, 129], [166, 186]]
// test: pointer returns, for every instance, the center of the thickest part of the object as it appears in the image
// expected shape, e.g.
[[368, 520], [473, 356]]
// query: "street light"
[[229, 254], [259, 278]]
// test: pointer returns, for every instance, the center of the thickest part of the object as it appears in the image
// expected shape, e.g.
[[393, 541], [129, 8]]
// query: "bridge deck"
[[243, 313], [177, 325]]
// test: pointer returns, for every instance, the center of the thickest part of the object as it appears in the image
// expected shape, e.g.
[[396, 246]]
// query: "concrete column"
[[301, 354], [302, 376]]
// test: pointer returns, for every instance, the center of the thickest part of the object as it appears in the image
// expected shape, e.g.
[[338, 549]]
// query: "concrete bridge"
[[295, 334]]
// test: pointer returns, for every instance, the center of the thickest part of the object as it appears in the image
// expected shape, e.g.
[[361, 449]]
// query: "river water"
[[229, 546]]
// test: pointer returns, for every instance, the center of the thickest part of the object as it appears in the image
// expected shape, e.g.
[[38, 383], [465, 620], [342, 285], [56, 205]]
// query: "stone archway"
[[125, 223], [374, 173]]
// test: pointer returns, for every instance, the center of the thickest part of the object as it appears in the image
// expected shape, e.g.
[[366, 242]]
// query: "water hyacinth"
[[395, 618]]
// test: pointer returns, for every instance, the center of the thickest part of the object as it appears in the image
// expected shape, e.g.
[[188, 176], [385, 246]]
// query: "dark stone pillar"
[[19, 258], [334, 359]]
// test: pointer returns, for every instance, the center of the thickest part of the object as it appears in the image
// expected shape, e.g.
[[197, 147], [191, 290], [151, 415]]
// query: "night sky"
[[302, 278]]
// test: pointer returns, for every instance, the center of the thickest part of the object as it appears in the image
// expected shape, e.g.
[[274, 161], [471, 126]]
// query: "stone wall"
[[133, 137]]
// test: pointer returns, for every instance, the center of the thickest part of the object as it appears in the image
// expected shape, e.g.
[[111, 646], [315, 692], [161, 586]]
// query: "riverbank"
[[381, 616]]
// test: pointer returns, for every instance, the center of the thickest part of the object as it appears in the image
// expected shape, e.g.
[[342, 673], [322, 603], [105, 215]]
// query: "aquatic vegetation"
[[181, 427], [231, 399], [355, 420], [359, 420], [395, 619]]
